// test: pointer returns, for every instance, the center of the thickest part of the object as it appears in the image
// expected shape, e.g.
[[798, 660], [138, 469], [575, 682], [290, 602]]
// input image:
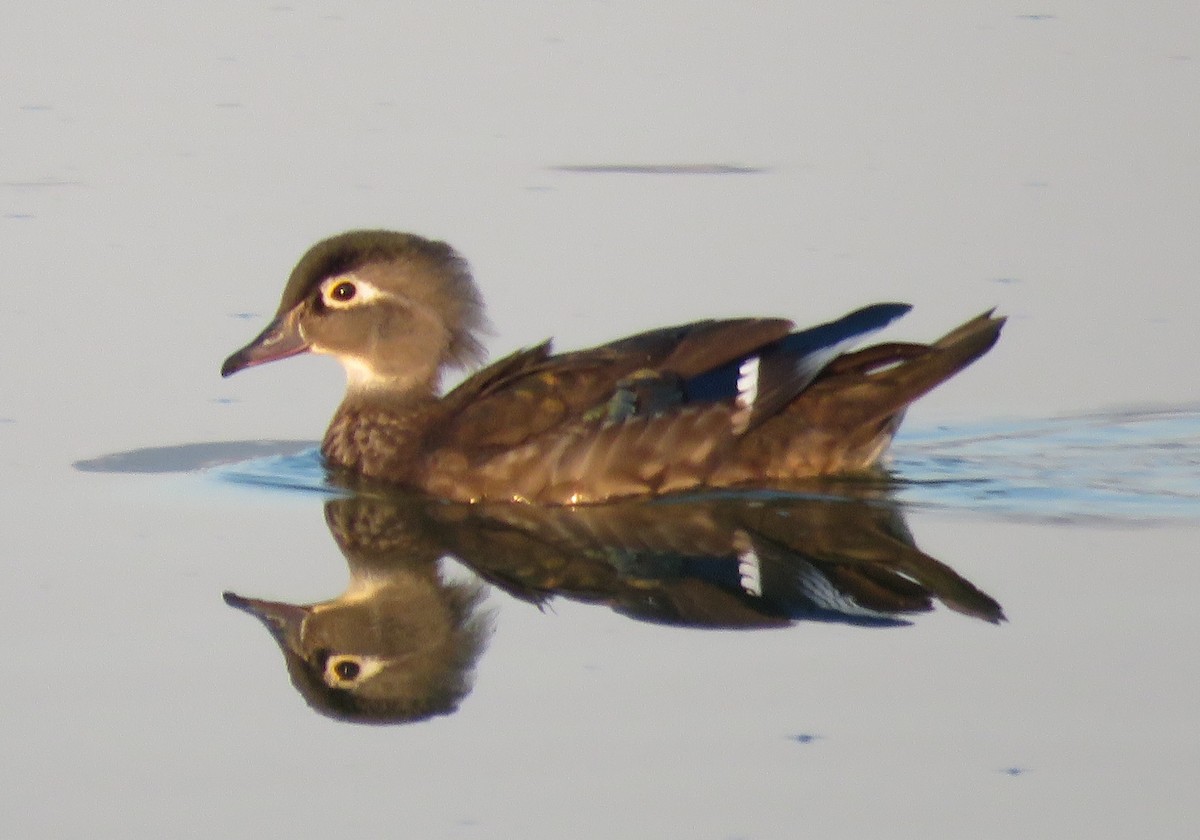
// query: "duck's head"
[[394, 653], [394, 308]]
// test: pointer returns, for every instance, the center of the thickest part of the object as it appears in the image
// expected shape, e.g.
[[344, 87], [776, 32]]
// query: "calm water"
[[607, 167]]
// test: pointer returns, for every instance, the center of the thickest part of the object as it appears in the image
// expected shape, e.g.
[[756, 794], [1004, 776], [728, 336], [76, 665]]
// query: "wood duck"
[[402, 642], [711, 404]]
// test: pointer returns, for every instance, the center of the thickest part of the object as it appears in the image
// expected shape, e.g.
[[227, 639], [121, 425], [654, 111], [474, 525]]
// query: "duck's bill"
[[285, 621], [279, 340]]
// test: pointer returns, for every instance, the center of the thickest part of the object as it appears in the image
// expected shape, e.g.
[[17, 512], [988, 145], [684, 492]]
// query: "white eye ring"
[[346, 291], [346, 670]]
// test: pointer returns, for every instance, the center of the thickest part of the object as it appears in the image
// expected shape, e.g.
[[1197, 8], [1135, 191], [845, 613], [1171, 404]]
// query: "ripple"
[[191, 457], [303, 470], [1141, 465]]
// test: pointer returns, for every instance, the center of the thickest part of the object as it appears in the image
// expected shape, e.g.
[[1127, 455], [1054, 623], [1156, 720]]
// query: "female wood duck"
[[712, 404]]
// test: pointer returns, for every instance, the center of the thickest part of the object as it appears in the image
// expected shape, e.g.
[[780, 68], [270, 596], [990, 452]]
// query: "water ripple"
[[1141, 465]]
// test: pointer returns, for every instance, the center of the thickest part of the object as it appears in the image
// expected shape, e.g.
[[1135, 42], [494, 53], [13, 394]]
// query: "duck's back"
[[642, 416]]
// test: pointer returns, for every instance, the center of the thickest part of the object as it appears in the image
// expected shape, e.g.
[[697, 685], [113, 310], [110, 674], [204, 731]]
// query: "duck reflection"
[[400, 644]]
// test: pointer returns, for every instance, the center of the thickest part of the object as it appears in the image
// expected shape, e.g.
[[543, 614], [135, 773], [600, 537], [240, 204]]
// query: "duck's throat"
[[381, 439]]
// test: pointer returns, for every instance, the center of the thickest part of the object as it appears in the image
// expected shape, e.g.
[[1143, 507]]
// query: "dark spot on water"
[[42, 183], [1004, 281], [1037, 17], [19, 216], [659, 169], [805, 738], [224, 400], [245, 316], [1015, 771]]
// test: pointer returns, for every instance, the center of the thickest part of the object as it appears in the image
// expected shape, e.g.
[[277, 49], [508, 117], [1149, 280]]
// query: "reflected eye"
[[343, 292], [346, 669]]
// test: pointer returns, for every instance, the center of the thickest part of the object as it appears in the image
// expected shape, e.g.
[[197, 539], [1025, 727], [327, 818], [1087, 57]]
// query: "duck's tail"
[[860, 397]]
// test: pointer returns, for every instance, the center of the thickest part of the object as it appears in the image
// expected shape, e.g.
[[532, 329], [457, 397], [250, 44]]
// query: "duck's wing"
[[533, 391], [645, 429], [765, 380]]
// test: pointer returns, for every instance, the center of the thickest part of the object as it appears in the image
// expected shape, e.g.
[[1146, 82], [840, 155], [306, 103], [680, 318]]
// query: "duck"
[[710, 405], [401, 644]]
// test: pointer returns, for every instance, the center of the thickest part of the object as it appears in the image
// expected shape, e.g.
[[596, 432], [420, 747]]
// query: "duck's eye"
[[343, 292], [346, 670]]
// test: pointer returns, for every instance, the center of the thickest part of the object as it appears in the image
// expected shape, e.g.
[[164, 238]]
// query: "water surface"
[[164, 166]]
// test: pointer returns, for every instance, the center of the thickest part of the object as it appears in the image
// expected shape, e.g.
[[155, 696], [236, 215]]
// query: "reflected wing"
[[731, 562]]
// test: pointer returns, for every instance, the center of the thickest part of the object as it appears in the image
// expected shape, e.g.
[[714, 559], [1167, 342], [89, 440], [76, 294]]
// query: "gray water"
[[606, 167]]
